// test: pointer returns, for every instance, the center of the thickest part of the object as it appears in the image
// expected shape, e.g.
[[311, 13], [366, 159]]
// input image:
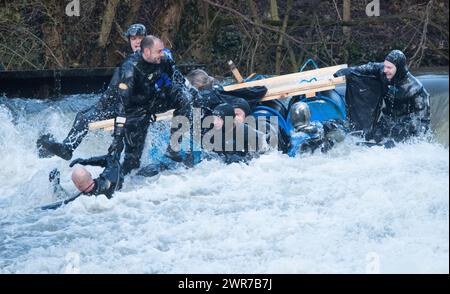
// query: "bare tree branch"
[[278, 31]]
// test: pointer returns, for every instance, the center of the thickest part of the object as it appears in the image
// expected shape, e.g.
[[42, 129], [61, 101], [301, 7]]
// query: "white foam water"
[[352, 210]]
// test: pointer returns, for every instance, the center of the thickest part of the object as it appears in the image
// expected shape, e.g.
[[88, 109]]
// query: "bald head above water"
[[82, 179]]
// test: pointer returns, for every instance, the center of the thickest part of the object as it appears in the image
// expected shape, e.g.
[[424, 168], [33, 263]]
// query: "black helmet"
[[136, 29], [300, 115], [242, 104], [223, 110]]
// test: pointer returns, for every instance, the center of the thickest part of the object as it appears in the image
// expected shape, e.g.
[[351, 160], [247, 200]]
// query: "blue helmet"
[[136, 29]]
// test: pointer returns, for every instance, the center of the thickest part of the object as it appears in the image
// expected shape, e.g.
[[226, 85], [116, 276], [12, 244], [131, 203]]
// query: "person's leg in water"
[[76, 134], [58, 191], [153, 169], [103, 109], [135, 135], [182, 101]]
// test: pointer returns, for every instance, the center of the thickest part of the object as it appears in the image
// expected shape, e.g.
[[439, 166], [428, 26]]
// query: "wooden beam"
[[103, 124], [293, 78], [310, 94], [237, 75], [165, 116], [300, 92], [288, 90], [108, 125]]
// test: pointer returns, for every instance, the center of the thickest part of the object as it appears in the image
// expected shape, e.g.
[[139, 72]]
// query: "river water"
[[352, 210]]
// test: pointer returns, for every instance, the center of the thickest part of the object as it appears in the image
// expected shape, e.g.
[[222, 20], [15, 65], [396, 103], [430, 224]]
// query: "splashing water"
[[352, 210]]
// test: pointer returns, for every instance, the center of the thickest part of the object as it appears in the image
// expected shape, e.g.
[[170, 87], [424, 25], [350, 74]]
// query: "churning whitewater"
[[352, 210]]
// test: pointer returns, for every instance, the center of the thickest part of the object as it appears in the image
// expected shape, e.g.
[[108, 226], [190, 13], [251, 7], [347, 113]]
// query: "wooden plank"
[[310, 94], [101, 124], [237, 75], [289, 78], [313, 86], [165, 116], [301, 92], [108, 125]]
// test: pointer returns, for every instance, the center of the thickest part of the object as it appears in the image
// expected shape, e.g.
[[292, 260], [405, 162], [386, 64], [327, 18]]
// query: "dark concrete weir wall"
[[42, 84], [53, 83]]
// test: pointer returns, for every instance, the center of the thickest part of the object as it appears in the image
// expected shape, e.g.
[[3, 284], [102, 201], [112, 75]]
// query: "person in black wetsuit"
[[230, 139], [149, 85], [105, 108], [109, 181], [209, 96], [404, 108]]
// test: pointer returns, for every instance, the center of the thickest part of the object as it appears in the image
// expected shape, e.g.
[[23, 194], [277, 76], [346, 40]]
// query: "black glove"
[[118, 135], [342, 72], [94, 161], [78, 161]]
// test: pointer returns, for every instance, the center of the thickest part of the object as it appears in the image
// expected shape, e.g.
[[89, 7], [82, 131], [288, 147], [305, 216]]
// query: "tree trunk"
[[51, 31], [293, 58], [253, 10], [346, 18], [108, 18], [274, 10], [205, 9], [201, 44], [280, 40], [132, 14], [170, 21]]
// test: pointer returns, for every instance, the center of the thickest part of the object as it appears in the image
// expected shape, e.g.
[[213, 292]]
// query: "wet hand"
[[342, 72]]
